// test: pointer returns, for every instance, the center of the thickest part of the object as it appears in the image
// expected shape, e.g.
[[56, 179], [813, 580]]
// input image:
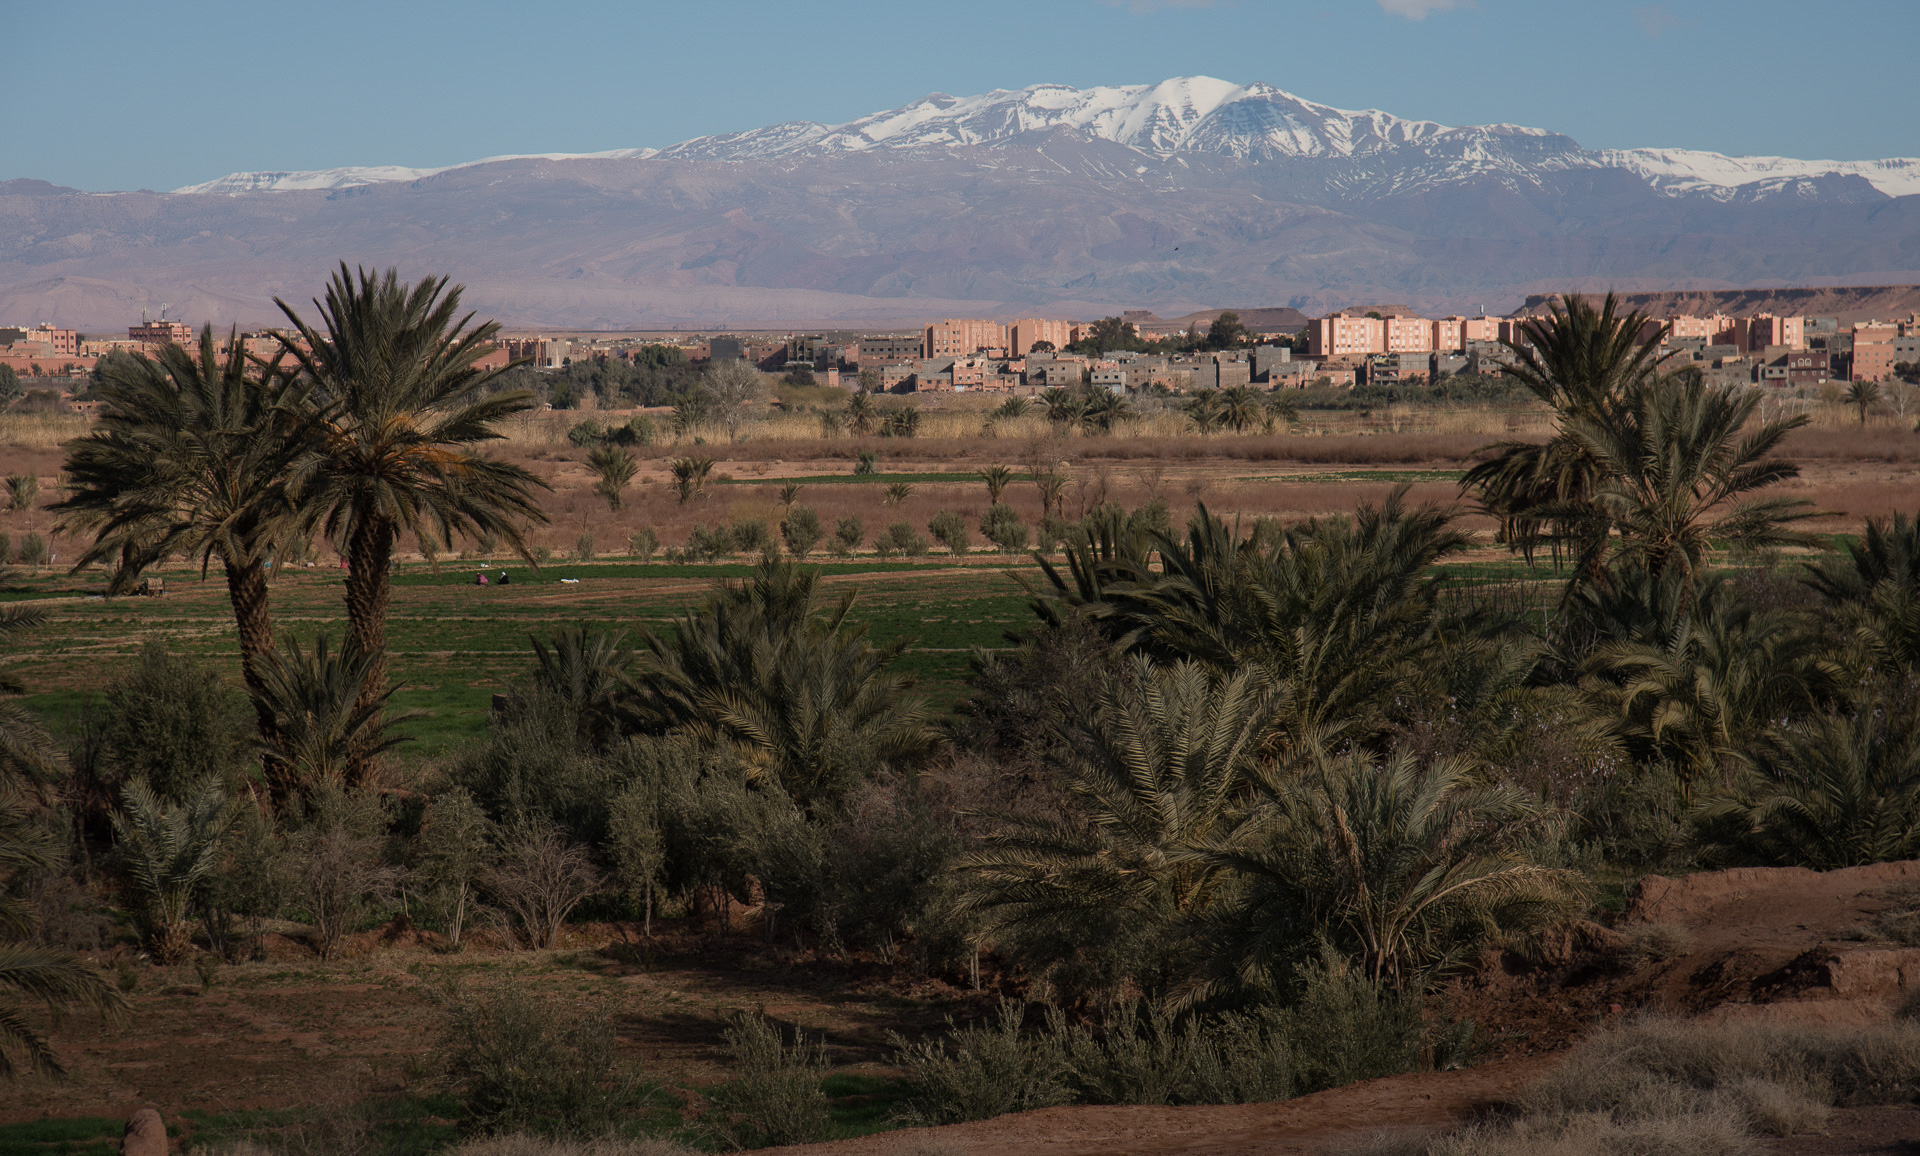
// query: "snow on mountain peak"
[[1189, 113], [1201, 115], [352, 177]]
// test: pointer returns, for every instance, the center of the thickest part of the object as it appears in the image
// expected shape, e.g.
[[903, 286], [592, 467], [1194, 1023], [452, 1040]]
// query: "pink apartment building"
[[958, 337]]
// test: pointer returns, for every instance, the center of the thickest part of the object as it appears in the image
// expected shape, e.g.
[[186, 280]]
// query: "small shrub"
[[640, 431], [1002, 526], [866, 462], [338, 872], [902, 539], [801, 530], [643, 543], [950, 530], [587, 433], [774, 1096], [751, 536], [848, 533], [975, 1073], [704, 545], [33, 550], [519, 1064], [583, 546]]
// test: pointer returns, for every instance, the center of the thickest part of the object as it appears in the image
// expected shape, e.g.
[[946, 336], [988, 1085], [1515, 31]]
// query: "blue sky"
[[116, 95]]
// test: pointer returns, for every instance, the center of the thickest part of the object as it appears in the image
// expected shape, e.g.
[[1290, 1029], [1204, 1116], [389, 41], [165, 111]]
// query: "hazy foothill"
[[817, 764]]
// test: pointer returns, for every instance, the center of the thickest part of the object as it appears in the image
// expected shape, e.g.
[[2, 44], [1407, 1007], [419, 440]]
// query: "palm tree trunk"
[[369, 552], [247, 590]]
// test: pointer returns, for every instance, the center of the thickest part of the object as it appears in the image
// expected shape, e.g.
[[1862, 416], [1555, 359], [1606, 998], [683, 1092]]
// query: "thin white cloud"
[[1655, 20], [1421, 9]]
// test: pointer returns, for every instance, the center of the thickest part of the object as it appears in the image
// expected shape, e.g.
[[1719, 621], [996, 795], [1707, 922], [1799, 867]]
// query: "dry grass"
[[41, 430], [1663, 1086]]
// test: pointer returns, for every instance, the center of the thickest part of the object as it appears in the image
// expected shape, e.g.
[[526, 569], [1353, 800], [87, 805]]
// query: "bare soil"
[[291, 1031]]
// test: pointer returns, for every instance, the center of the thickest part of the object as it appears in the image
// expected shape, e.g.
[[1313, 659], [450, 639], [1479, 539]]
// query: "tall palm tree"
[[404, 406], [1863, 395], [191, 455], [1111, 891], [1584, 363], [1677, 467]]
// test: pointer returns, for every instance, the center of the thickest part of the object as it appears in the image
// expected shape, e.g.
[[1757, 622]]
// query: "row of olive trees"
[[365, 426]]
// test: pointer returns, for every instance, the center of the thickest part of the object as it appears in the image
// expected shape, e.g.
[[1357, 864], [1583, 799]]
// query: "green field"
[[455, 644]]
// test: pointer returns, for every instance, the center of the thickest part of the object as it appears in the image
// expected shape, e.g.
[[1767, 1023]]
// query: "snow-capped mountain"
[[1200, 116], [355, 176], [1191, 193]]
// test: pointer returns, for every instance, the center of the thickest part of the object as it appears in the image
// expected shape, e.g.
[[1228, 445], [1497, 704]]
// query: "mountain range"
[[1188, 194]]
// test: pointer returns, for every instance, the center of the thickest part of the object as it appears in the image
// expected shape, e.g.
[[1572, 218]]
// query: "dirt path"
[[1303, 1125]]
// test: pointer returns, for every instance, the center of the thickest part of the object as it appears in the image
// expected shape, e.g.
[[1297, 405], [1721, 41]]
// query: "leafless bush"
[[338, 871], [540, 879]]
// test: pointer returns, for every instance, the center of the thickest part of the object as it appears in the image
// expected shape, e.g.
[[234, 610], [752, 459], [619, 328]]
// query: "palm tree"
[[1012, 407], [1877, 592], [797, 688], [1064, 407], [168, 850], [1407, 870], [1203, 410], [1339, 610], [587, 670], [1112, 891], [689, 476], [1239, 408], [996, 478], [1863, 395], [1834, 791], [1676, 468], [55, 979], [191, 456], [615, 468], [1584, 363], [329, 726], [862, 415], [1695, 676], [1105, 410], [404, 405]]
